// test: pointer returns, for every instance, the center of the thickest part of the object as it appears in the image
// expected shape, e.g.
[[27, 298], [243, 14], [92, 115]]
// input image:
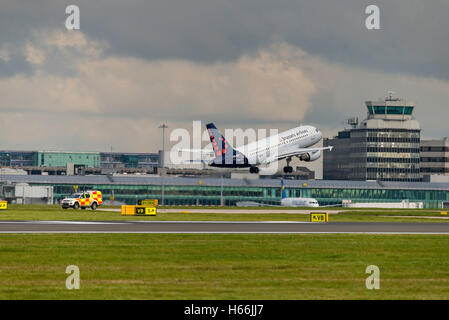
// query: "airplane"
[[290, 202], [300, 202], [285, 145], [296, 202]]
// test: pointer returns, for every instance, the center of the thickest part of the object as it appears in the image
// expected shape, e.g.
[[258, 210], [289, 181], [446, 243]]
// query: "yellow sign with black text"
[[3, 205], [319, 217], [148, 203], [145, 211]]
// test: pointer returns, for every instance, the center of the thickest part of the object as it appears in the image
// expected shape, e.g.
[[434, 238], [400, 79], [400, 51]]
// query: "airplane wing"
[[199, 151], [197, 161], [201, 155], [301, 151], [191, 161]]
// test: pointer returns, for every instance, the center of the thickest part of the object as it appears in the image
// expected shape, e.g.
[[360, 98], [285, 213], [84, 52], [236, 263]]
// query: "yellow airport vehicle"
[[319, 217], [83, 200], [3, 205], [444, 213], [148, 203]]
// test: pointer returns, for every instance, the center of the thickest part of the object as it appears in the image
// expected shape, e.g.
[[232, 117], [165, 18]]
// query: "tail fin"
[[283, 192], [226, 156], [219, 144]]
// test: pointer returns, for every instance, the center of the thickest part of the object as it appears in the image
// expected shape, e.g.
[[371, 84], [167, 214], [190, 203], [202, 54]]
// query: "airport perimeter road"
[[221, 227]]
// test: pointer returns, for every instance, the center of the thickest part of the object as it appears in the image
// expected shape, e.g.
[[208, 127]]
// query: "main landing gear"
[[288, 168], [253, 170]]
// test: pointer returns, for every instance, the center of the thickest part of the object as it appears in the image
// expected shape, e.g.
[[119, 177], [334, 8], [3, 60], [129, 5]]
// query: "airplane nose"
[[320, 134]]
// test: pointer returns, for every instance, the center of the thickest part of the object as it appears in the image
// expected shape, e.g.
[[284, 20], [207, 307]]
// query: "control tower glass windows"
[[395, 110], [379, 109], [408, 110]]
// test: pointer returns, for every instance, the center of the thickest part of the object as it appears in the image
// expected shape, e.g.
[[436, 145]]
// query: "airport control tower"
[[385, 146]]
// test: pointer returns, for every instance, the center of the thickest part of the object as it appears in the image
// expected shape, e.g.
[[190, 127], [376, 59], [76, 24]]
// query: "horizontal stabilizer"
[[207, 152]]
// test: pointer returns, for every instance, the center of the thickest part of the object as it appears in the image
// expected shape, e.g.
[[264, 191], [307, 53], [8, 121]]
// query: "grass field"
[[151, 266], [44, 212], [121, 266]]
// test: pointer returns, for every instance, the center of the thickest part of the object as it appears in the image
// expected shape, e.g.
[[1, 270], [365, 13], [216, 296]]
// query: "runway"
[[225, 227]]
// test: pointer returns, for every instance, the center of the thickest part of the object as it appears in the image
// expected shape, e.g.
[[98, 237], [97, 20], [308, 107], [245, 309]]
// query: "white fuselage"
[[279, 146], [299, 202]]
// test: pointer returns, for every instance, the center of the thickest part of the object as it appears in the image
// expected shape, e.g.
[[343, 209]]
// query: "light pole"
[[221, 190], [163, 127]]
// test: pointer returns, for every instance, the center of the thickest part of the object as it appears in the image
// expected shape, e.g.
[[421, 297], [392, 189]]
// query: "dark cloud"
[[413, 39], [324, 110], [217, 61]]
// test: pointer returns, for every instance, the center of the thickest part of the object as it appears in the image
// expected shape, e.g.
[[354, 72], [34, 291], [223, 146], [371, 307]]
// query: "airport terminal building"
[[434, 158], [215, 191], [55, 162], [384, 147]]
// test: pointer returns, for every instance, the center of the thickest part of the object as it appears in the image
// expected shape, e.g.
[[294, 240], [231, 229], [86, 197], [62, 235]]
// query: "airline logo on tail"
[[219, 144], [226, 156]]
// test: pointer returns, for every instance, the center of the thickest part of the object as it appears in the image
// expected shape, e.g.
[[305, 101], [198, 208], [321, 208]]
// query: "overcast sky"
[[241, 64]]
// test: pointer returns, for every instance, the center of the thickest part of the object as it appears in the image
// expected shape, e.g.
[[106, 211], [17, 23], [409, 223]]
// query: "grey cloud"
[[125, 90], [324, 110], [331, 64], [413, 39]]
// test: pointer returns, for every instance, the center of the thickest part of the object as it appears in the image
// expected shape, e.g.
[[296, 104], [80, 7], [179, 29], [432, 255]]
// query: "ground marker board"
[[145, 211], [319, 217], [148, 202]]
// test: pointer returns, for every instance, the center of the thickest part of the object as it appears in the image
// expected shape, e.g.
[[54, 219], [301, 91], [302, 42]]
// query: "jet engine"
[[312, 156]]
